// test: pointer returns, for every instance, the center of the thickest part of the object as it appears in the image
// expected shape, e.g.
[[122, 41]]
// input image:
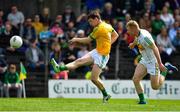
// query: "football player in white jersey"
[[150, 62]]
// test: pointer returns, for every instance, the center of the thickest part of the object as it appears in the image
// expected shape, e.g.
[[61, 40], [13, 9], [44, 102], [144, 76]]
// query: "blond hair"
[[132, 23]]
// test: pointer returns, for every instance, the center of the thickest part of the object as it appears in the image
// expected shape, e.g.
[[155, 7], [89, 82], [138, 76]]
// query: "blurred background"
[[47, 25]]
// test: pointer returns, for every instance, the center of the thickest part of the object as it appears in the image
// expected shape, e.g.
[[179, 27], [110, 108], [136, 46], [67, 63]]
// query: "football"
[[16, 41]]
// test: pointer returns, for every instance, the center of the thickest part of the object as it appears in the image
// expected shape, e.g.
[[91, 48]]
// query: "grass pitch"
[[61, 104]]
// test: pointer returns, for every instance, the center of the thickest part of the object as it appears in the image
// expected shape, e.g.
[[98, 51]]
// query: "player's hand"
[[73, 40], [131, 46], [162, 67]]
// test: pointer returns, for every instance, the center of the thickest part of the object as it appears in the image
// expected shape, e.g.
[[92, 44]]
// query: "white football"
[[16, 41]]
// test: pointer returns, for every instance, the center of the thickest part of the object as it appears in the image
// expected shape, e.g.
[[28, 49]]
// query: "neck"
[[98, 22]]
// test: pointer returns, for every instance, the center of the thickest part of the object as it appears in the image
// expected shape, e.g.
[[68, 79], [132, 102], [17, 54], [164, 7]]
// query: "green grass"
[[60, 104]]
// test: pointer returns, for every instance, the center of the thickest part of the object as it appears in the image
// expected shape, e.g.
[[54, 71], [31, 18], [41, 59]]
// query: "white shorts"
[[99, 59], [152, 67]]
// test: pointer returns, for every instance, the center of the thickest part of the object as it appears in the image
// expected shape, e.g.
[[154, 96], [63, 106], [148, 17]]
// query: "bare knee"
[[155, 87], [136, 80]]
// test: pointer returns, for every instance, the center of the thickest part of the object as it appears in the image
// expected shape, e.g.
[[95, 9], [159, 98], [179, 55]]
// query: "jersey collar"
[[139, 33]]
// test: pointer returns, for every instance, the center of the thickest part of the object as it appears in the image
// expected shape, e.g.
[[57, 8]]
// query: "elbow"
[[117, 35]]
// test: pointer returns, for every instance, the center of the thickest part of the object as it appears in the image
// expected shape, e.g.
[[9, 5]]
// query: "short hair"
[[32, 40], [132, 23], [93, 15]]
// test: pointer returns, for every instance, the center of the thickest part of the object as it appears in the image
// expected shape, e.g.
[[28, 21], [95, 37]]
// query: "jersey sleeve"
[[93, 34], [112, 29]]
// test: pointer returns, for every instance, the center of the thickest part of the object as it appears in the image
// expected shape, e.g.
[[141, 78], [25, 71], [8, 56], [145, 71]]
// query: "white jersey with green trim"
[[144, 41]]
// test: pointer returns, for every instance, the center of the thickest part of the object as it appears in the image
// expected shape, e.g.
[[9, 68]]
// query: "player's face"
[[93, 22], [12, 69], [131, 31]]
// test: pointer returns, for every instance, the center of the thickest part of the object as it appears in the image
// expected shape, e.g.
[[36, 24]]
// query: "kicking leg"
[[158, 80], [139, 74], [85, 60], [96, 71]]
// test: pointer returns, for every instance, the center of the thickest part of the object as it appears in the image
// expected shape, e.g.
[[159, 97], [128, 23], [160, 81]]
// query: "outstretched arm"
[[158, 57], [84, 40]]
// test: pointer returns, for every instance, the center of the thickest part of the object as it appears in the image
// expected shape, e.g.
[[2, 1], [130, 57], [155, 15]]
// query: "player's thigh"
[[154, 72], [85, 60], [155, 80], [140, 72], [96, 71]]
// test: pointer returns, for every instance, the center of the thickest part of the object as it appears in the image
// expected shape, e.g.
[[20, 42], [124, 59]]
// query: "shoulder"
[[20, 13], [161, 15], [10, 15], [145, 33], [170, 15], [95, 29], [39, 50], [106, 25], [158, 36]]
